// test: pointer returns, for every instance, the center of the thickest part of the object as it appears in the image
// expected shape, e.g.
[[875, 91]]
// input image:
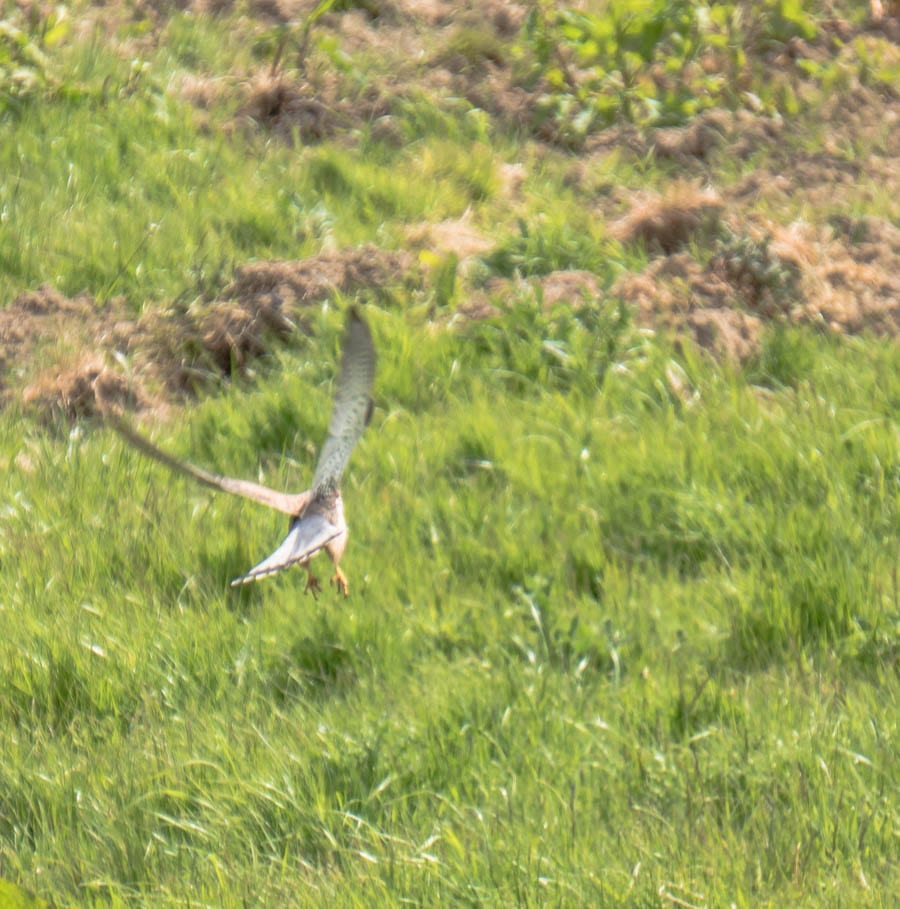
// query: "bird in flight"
[[316, 515]]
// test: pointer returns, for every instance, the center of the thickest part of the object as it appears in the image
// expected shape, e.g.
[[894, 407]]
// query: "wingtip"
[[255, 575], [358, 332], [355, 320], [252, 576]]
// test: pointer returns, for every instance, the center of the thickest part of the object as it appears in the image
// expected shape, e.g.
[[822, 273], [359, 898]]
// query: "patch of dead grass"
[[82, 389], [738, 134], [314, 279], [696, 140], [573, 287], [202, 91], [458, 237], [846, 283], [288, 107], [502, 16], [44, 323], [570, 287], [851, 282], [311, 110], [677, 294], [669, 221], [173, 352]]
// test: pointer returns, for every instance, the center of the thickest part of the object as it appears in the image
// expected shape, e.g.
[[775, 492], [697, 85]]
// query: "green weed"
[[655, 62], [26, 71]]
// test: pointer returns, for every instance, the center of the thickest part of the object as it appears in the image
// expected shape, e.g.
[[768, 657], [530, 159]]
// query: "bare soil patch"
[[676, 293], [96, 355], [736, 134], [847, 281], [851, 281], [84, 388], [314, 279], [842, 275], [43, 325]]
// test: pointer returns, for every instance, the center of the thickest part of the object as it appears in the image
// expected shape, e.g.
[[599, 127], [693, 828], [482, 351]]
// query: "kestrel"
[[317, 515]]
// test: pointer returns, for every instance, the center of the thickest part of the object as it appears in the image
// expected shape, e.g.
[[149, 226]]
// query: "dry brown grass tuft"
[[852, 280], [314, 108], [695, 140], [173, 351], [84, 389], [676, 293], [572, 287], [202, 91], [457, 237], [287, 108], [666, 223], [314, 279], [846, 278]]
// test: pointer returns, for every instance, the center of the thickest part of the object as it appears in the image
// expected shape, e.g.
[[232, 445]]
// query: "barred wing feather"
[[307, 536], [352, 405]]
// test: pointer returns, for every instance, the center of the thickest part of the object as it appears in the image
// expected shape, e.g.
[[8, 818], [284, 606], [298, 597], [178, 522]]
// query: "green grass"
[[604, 647], [598, 644], [150, 217], [113, 186]]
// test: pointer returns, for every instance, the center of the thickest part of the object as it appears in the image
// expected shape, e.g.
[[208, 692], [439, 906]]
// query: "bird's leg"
[[340, 579], [312, 584]]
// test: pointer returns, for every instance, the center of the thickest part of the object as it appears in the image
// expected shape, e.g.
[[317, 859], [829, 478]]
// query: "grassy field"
[[623, 625]]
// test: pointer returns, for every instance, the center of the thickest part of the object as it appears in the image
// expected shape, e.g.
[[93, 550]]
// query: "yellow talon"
[[340, 579]]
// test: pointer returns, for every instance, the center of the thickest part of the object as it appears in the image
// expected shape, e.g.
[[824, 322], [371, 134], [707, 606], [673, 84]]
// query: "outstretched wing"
[[307, 536], [352, 404], [286, 502]]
